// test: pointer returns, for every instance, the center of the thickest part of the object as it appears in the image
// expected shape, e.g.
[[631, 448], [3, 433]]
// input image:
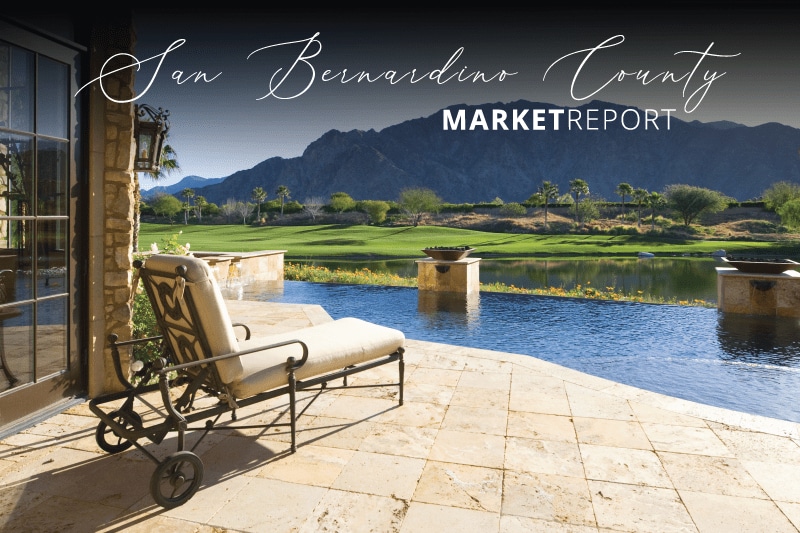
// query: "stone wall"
[[111, 201], [758, 294]]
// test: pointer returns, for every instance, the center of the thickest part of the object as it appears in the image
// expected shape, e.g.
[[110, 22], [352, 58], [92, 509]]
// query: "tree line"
[[414, 202], [685, 202], [688, 201], [197, 206]]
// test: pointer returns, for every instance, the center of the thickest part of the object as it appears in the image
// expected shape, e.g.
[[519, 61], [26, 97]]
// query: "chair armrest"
[[116, 357], [134, 341], [291, 362], [246, 329]]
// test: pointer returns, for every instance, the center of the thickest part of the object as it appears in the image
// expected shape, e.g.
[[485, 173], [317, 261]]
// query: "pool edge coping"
[[710, 413]]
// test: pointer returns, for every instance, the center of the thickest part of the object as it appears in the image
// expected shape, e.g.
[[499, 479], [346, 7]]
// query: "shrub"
[[144, 325], [375, 209], [417, 202], [624, 230], [587, 210], [753, 203], [166, 205], [780, 193], [513, 209], [457, 208], [790, 213], [341, 202], [689, 202]]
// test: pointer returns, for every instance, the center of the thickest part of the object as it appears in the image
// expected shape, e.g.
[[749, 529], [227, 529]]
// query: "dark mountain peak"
[[189, 182], [474, 166], [719, 124]]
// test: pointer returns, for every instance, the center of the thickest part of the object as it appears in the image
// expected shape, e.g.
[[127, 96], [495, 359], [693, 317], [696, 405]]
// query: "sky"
[[245, 86]]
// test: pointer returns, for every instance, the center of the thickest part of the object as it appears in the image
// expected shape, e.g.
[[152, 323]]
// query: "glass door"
[[39, 362]]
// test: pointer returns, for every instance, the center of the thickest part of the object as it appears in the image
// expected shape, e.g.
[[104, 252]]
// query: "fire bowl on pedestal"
[[761, 266], [448, 253]]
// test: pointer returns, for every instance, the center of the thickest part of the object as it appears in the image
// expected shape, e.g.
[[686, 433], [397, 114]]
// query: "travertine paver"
[[477, 397], [624, 465], [475, 419], [625, 507], [464, 486], [429, 518], [714, 512], [541, 426], [389, 475], [713, 475], [543, 457], [549, 497], [406, 441], [619, 433], [485, 442], [318, 466]]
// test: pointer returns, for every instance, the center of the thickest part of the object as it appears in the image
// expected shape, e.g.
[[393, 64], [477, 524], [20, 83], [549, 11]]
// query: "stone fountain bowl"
[[448, 253], [761, 266]]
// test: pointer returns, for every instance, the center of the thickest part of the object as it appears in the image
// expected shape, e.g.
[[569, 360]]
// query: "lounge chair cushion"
[[331, 346], [211, 309]]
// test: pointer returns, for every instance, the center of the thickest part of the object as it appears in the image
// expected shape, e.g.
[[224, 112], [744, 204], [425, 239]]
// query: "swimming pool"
[[749, 364]]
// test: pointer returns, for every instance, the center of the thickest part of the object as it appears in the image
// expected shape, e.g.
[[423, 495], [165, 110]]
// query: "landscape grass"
[[361, 241], [302, 243]]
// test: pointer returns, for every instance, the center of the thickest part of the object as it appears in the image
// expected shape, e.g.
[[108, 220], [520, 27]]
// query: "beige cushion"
[[213, 315], [332, 346]]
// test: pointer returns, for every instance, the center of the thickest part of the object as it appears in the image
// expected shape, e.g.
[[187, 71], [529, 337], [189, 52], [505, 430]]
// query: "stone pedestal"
[[220, 267], [449, 276], [758, 294], [245, 267]]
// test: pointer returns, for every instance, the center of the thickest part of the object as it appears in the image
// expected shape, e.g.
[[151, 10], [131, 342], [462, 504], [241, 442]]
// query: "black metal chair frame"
[[178, 476]]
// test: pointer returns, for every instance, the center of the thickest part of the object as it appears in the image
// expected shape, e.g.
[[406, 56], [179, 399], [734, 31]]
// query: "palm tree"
[[656, 202], [548, 191], [188, 194], [624, 189], [259, 195], [578, 187], [169, 164], [283, 193], [199, 203], [640, 197]]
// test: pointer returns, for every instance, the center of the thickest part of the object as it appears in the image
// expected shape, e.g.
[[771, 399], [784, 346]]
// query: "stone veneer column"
[[449, 276], [111, 184], [758, 294]]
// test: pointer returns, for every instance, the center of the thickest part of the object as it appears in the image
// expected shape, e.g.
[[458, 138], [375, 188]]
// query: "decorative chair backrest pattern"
[[190, 311]]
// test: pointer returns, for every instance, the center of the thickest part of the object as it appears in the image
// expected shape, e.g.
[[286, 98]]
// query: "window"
[[37, 171]]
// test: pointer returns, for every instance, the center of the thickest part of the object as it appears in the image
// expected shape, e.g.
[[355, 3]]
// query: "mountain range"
[[480, 165], [189, 182]]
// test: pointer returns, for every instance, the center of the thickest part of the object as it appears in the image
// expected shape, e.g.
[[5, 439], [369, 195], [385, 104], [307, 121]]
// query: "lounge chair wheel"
[[110, 441], [176, 479]]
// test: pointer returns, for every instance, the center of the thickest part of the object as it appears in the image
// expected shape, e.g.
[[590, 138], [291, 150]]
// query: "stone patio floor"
[[485, 442]]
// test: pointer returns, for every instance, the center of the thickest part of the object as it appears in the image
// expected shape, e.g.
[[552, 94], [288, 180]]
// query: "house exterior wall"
[[111, 202]]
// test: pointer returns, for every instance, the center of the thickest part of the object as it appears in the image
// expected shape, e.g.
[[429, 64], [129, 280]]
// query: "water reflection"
[[462, 307], [755, 339], [678, 278], [750, 364]]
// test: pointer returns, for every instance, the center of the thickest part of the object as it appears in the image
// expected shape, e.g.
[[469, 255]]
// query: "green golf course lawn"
[[302, 242]]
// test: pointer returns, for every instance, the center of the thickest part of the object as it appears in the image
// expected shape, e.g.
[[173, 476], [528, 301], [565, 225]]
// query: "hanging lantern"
[[150, 130]]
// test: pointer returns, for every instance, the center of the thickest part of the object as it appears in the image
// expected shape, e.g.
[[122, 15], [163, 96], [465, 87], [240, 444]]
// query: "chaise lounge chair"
[[202, 355]]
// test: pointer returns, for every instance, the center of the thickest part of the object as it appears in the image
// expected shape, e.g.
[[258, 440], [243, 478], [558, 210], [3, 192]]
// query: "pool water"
[[746, 363]]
